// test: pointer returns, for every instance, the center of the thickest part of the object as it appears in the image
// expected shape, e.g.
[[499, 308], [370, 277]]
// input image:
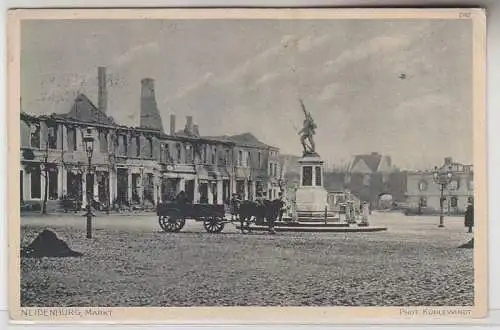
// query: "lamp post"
[[443, 179], [88, 139]]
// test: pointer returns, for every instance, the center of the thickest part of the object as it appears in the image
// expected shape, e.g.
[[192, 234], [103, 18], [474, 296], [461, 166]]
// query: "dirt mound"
[[468, 245], [46, 244]]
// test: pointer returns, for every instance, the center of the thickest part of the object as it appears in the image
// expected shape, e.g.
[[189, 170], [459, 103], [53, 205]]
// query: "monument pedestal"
[[311, 196]]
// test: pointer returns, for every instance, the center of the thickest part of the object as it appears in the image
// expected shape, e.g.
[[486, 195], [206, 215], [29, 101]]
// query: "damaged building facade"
[[138, 165]]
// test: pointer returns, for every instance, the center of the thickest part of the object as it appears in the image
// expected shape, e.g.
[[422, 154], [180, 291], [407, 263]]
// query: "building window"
[[150, 147], [422, 186], [470, 200], [240, 158], [167, 152], [179, 152], [454, 201], [259, 158], [71, 136], [103, 142], [270, 169], [470, 184], [52, 184], [137, 146], [35, 178], [275, 169], [214, 155], [52, 136], [124, 145], [227, 157], [35, 135], [423, 202], [204, 154]]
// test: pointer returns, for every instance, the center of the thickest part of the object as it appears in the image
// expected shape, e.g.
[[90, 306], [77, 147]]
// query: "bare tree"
[[45, 174]]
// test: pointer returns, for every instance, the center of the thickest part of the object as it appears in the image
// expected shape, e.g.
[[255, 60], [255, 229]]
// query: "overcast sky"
[[239, 76]]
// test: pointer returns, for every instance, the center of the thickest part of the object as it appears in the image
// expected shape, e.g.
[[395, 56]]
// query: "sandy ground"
[[129, 262]]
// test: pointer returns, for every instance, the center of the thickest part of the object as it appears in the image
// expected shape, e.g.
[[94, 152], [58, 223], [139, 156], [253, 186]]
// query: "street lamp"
[[443, 179], [88, 139]]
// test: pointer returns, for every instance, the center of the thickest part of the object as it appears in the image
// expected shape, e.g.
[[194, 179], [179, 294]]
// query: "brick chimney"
[[150, 116], [102, 97], [172, 124]]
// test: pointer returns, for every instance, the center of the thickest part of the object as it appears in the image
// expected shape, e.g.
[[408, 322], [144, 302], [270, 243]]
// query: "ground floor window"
[[74, 186], [203, 190], [35, 181], [53, 184], [149, 188], [240, 188]]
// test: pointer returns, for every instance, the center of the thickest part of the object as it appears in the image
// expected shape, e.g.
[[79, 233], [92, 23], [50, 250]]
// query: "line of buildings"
[[374, 179], [138, 165]]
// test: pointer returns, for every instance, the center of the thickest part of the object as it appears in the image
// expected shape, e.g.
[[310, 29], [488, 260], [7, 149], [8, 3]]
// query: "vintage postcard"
[[247, 165]]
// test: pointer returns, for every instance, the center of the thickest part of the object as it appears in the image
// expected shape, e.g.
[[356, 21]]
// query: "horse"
[[251, 211]]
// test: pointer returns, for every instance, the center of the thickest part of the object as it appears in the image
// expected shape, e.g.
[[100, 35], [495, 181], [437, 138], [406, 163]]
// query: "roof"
[[245, 139], [371, 160], [85, 111]]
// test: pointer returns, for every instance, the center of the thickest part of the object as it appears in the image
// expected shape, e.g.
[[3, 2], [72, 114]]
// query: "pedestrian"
[[235, 206], [282, 206], [469, 217]]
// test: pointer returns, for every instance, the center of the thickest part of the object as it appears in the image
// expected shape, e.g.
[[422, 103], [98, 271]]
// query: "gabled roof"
[[372, 161], [85, 111], [245, 139]]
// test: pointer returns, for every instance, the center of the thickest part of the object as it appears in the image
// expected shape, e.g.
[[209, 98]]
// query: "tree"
[[45, 174]]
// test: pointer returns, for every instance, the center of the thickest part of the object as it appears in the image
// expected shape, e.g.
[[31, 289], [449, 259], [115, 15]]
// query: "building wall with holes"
[[423, 194]]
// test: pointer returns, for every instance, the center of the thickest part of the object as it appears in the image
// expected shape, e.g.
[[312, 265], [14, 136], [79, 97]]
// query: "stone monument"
[[311, 196]]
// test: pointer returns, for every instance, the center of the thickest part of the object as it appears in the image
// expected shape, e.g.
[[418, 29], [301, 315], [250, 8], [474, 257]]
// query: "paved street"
[[130, 263]]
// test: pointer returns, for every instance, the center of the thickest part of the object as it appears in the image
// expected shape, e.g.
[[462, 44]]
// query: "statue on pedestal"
[[307, 132]]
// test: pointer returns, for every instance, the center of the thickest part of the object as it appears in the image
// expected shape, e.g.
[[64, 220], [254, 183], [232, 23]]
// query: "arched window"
[[179, 152], [422, 185]]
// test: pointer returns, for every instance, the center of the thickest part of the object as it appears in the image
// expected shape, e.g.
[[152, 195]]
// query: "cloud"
[[329, 92], [134, 52], [286, 47], [377, 45], [185, 90], [267, 78]]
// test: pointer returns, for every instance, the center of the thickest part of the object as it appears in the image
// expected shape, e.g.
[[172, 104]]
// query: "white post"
[[219, 192], [245, 192], [254, 192], [196, 190], [129, 185], [96, 186], [60, 182], [181, 185], [210, 192], [84, 189], [313, 176]]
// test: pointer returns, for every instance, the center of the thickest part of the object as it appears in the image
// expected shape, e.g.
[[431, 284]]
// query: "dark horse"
[[251, 211]]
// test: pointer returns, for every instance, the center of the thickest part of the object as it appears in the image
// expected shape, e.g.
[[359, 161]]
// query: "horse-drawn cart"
[[172, 216]]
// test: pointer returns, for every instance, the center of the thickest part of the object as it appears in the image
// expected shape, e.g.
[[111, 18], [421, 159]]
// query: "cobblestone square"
[[129, 262]]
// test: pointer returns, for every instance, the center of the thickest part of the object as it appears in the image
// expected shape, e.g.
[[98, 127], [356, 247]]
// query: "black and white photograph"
[[277, 160]]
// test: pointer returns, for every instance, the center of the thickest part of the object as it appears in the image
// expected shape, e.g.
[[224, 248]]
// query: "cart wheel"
[[171, 223], [213, 225]]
